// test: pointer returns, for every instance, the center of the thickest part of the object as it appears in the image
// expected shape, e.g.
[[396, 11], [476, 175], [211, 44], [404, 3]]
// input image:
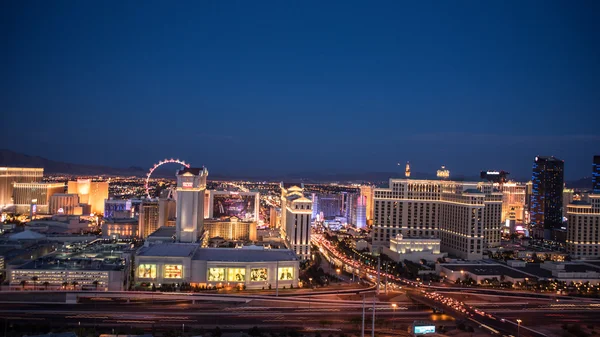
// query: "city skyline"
[[366, 86], [300, 169]]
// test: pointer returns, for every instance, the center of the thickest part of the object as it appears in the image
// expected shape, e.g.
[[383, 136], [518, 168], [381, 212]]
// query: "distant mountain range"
[[11, 158]]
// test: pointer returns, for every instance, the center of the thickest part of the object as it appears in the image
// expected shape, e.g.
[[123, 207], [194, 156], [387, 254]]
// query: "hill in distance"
[[11, 158], [15, 159]]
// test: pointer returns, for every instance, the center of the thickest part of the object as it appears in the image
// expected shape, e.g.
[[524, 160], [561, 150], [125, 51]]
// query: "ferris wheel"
[[162, 162]]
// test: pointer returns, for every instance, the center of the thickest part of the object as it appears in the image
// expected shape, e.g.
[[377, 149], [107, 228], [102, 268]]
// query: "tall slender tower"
[[547, 195], [191, 185], [407, 170], [361, 212]]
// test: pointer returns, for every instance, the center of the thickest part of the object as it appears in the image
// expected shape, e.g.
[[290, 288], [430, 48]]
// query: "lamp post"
[[519, 327], [394, 306]]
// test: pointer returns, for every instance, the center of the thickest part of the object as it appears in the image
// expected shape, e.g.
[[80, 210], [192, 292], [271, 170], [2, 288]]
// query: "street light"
[[518, 326], [394, 306]]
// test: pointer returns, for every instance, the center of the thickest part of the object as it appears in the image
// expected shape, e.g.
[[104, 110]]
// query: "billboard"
[[173, 271], [216, 274], [241, 205], [286, 273], [424, 329], [147, 271], [236, 274], [258, 275]]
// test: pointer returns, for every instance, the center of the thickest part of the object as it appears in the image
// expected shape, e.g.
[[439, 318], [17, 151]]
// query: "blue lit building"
[[547, 196], [596, 175], [361, 212], [117, 209]]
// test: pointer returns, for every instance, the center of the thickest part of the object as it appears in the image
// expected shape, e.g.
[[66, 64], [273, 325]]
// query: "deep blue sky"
[[267, 86]]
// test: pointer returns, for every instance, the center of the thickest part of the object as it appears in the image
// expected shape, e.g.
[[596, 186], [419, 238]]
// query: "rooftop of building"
[[487, 270], [549, 158], [251, 254], [174, 249], [121, 220], [297, 197], [537, 270], [163, 232], [287, 185], [192, 170], [49, 263]]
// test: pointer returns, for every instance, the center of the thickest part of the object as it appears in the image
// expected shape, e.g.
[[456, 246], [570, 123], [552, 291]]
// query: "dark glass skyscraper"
[[547, 195], [596, 175]]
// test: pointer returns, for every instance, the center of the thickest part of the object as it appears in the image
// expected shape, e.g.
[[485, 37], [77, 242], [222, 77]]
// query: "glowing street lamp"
[[518, 326]]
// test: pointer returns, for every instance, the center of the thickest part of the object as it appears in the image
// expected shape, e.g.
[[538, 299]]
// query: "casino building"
[[175, 255], [254, 267]]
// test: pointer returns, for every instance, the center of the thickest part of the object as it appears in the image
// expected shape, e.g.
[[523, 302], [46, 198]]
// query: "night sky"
[[296, 86]]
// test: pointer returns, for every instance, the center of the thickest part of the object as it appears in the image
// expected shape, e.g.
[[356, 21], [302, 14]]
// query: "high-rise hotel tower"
[[465, 216], [296, 212], [191, 186]]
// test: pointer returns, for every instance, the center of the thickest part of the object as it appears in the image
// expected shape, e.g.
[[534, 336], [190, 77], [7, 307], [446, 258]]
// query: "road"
[[233, 317], [308, 310], [497, 323]]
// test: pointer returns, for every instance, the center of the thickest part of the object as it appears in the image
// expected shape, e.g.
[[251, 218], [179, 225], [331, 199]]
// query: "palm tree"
[[23, 283], [65, 284], [74, 283], [95, 283], [34, 279], [46, 284]]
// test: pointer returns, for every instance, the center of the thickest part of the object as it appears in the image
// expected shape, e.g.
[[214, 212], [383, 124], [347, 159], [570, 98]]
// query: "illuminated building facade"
[[583, 231], [596, 175], [120, 228], [11, 175], [232, 229], [443, 173], [221, 267], [366, 191], [296, 212], [62, 203], [90, 192], [35, 197], [191, 187], [465, 216], [546, 196], [413, 249], [148, 219], [513, 200], [167, 209], [274, 217]]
